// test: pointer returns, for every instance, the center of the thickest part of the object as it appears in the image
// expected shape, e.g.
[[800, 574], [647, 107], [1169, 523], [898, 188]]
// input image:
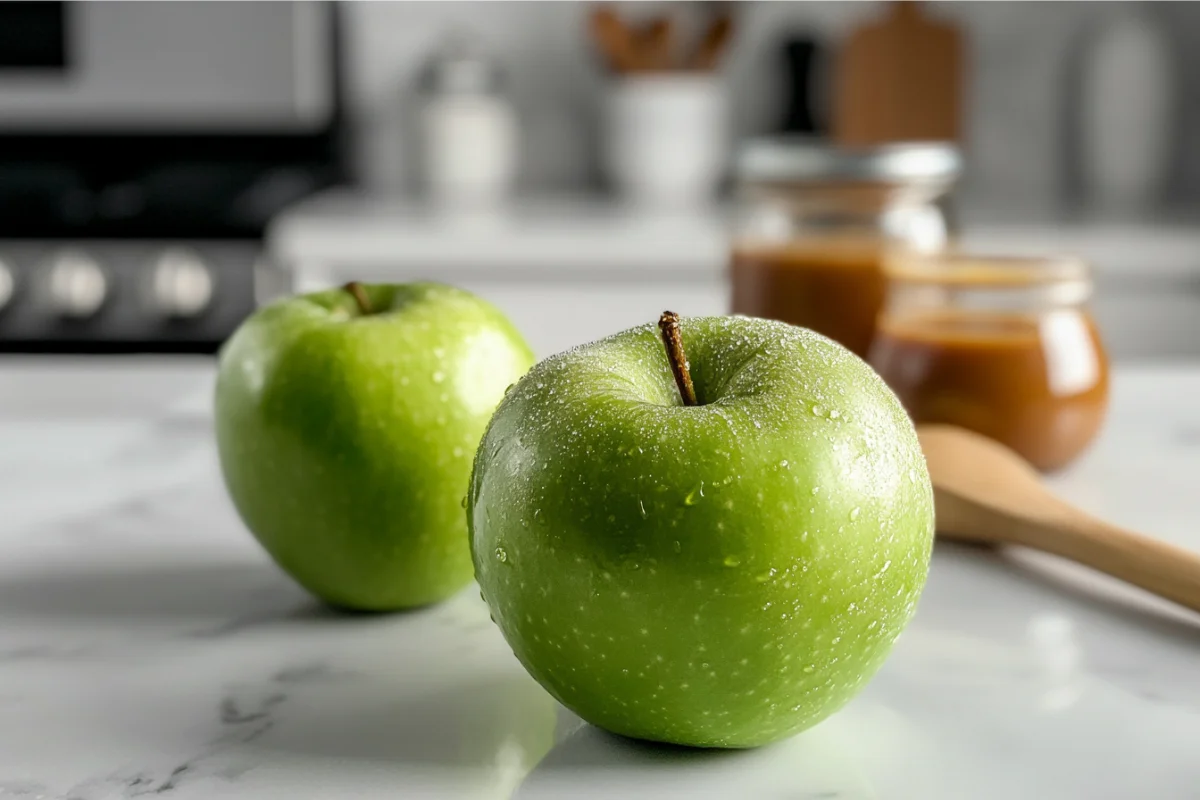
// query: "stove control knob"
[[78, 286], [181, 284], [7, 283]]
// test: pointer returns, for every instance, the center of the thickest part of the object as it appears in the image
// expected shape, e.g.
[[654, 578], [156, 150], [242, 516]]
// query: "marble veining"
[[147, 647]]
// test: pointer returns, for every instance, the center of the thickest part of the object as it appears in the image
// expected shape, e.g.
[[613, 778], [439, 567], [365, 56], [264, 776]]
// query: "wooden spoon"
[[984, 492], [654, 44], [614, 41], [712, 45]]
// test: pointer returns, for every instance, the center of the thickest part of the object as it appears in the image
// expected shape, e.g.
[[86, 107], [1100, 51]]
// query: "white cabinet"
[[556, 316], [1158, 322], [554, 313]]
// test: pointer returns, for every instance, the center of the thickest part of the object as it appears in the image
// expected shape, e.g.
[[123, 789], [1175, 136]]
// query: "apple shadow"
[[590, 747], [218, 593], [592, 763]]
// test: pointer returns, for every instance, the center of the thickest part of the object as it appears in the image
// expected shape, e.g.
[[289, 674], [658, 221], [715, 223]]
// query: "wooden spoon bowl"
[[984, 492]]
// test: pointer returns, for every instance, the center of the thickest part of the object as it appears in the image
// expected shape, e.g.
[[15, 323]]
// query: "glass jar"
[[1003, 346], [813, 223]]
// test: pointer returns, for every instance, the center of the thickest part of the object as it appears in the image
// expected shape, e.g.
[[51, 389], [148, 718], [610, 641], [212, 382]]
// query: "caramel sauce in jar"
[[836, 288], [1005, 348]]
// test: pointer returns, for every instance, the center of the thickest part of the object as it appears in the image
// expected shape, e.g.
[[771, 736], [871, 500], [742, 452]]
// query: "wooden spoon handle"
[[614, 40], [708, 52], [653, 43], [1158, 567]]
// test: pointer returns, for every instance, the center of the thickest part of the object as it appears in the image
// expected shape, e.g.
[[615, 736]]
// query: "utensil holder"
[[665, 137]]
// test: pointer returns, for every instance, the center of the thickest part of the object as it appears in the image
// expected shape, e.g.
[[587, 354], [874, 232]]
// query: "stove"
[[136, 183]]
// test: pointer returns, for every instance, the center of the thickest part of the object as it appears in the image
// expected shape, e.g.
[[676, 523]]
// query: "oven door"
[[144, 147]]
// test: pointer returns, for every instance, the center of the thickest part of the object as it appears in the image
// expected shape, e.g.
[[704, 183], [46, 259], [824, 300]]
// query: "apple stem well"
[[668, 326], [359, 294]]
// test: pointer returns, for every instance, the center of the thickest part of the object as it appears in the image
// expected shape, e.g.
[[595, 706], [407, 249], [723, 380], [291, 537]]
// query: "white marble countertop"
[[147, 647]]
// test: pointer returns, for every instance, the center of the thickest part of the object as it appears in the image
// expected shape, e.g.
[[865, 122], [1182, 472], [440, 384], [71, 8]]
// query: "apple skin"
[[723, 575], [346, 439]]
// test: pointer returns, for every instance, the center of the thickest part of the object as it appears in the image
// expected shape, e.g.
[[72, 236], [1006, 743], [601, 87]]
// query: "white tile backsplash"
[[1019, 90]]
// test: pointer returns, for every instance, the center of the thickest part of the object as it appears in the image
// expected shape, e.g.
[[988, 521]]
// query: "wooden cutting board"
[[899, 79]]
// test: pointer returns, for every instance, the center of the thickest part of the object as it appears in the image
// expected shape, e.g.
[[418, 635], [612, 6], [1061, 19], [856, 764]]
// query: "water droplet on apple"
[[678, 547], [464, 501], [810, 669], [854, 514], [784, 463], [501, 555], [439, 376], [694, 495], [732, 561], [816, 490], [642, 506], [763, 577], [818, 410], [834, 414]]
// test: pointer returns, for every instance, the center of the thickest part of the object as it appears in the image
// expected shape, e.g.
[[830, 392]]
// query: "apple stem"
[[359, 294], [668, 326]]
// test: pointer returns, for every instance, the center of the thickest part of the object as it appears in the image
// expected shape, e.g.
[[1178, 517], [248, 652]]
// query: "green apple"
[[346, 421], [722, 574]]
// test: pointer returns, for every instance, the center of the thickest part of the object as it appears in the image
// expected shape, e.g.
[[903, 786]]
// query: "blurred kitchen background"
[[163, 166]]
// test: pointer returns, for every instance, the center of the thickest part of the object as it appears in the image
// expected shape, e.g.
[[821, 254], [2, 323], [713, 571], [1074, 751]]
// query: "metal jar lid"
[[803, 160]]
